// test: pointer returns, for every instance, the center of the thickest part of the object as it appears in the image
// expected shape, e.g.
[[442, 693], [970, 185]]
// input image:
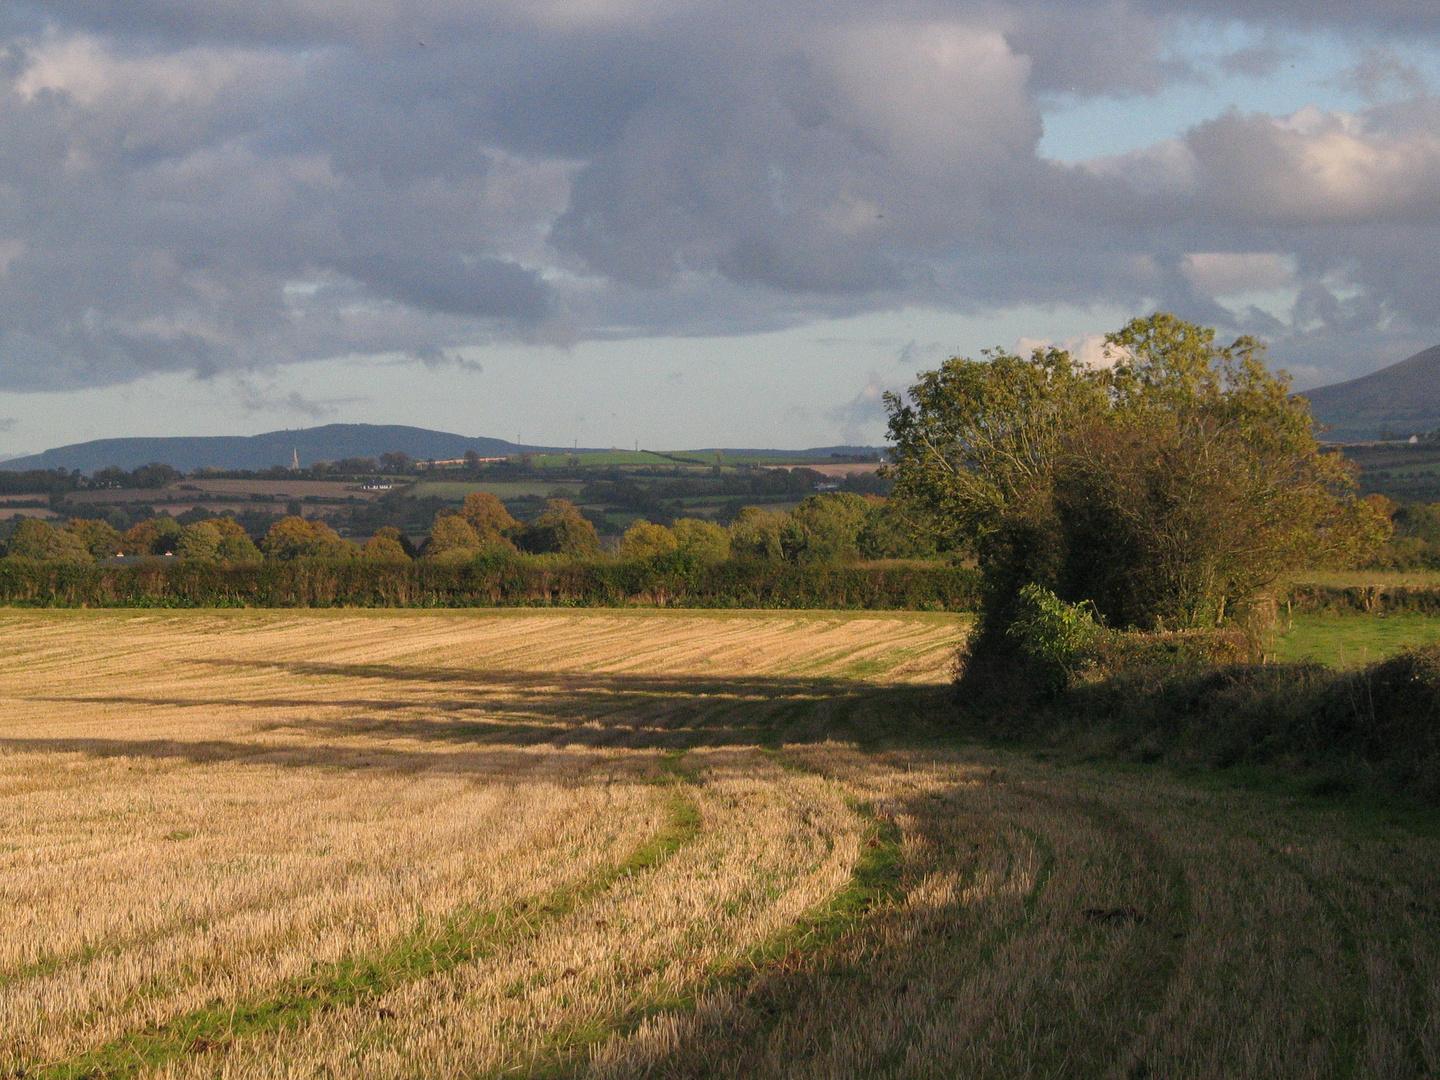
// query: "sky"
[[683, 223]]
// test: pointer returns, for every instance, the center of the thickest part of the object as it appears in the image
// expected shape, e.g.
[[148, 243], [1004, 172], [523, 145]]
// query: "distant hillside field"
[[335, 442], [1402, 399], [332, 442]]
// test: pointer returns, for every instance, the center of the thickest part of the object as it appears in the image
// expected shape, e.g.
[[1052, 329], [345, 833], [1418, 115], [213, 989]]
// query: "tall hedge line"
[[1373, 599], [502, 583]]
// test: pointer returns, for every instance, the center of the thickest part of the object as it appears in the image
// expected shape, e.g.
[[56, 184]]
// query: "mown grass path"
[[620, 845]]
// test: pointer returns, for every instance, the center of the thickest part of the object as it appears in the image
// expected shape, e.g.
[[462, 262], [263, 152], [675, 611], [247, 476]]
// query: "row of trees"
[[1416, 543], [217, 539], [831, 527], [85, 540]]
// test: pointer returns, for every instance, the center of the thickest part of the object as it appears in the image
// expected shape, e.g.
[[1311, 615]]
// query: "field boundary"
[[491, 583]]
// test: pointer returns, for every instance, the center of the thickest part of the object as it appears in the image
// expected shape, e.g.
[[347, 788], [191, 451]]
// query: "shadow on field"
[[505, 715], [980, 982]]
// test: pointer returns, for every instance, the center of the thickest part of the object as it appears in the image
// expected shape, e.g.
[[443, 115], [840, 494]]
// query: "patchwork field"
[[649, 843]]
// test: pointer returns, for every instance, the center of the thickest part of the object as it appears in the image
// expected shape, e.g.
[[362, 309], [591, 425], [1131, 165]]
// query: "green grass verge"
[[464, 936]]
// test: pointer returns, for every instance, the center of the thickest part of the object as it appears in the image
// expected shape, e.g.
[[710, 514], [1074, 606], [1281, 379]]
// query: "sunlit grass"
[[1352, 640]]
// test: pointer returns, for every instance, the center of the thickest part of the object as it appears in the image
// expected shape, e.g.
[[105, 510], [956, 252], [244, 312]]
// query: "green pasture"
[[456, 490], [1350, 641], [604, 457]]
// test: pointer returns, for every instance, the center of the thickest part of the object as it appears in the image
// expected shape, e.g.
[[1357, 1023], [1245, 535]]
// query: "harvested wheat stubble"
[[622, 844]]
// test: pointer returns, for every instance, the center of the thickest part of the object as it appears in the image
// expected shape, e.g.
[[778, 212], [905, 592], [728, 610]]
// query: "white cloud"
[[1230, 273], [939, 98], [1315, 167], [862, 419], [228, 186], [91, 73]]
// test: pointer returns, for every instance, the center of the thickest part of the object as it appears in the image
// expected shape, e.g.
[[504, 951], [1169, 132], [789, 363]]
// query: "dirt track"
[[648, 843]]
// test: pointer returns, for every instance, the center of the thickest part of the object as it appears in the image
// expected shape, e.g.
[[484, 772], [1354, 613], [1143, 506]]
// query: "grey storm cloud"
[[226, 185]]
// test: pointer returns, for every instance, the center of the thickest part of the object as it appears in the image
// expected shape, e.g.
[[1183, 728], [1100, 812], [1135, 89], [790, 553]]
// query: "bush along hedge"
[[489, 582], [1376, 728], [1198, 697]]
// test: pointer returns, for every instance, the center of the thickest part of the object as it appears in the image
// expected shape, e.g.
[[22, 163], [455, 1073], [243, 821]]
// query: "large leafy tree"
[[562, 530], [99, 537], [297, 537], [827, 528], [492, 523], [1164, 489], [154, 536], [703, 541], [644, 540], [387, 545]]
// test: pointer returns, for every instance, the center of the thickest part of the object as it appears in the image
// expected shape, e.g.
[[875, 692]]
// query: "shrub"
[[488, 579], [1055, 646], [1374, 728], [1058, 640], [1172, 649]]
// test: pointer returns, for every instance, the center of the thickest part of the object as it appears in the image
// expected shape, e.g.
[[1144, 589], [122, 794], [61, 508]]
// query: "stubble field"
[[626, 844]]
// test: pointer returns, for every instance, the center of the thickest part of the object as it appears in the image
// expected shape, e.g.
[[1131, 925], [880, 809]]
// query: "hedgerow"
[[489, 582]]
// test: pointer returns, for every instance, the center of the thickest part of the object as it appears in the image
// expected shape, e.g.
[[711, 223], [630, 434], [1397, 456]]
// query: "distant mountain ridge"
[[1402, 399], [331, 442]]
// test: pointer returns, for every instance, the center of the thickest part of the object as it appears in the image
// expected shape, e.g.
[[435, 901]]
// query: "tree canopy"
[[304, 538], [645, 541], [1163, 489], [36, 539], [561, 530]]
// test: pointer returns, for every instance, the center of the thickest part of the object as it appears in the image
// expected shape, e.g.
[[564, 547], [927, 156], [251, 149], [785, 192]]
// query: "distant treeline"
[[491, 581], [1415, 544]]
